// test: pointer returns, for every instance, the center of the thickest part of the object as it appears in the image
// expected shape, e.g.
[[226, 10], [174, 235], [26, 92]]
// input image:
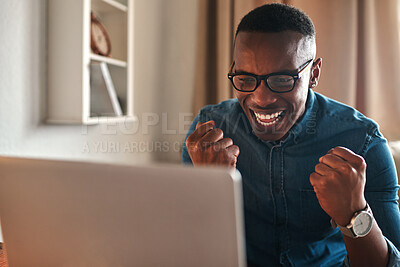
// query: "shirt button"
[[277, 190]]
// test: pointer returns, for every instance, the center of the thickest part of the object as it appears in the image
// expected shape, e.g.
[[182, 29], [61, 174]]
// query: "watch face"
[[362, 224], [100, 39]]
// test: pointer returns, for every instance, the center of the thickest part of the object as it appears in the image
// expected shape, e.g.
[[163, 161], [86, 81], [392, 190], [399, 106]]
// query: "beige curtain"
[[360, 46], [358, 41]]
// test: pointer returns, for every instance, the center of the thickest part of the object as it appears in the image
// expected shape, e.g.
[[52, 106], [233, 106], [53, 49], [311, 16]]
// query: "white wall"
[[165, 65], [164, 71]]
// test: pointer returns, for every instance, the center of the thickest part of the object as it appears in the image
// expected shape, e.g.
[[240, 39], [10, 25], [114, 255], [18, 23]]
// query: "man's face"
[[271, 114]]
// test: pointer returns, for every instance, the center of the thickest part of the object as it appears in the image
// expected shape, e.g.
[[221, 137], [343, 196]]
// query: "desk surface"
[[3, 256]]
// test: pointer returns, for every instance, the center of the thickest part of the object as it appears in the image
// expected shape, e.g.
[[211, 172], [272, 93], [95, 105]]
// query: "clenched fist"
[[339, 181], [207, 145]]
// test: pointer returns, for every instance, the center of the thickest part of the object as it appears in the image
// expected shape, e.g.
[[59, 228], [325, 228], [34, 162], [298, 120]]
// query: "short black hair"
[[276, 18]]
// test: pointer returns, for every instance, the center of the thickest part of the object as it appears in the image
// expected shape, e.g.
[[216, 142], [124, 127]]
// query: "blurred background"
[[177, 44]]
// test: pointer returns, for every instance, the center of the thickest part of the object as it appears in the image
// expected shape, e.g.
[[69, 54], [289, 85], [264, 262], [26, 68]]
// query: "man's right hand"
[[207, 146]]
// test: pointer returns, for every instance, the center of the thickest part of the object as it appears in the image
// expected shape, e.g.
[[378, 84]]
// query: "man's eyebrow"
[[242, 71], [291, 71]]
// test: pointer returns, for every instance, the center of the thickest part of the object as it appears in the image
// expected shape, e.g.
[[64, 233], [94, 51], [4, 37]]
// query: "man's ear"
[[315, 73]]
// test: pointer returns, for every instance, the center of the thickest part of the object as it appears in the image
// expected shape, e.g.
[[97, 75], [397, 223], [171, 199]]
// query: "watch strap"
[[348, 229]]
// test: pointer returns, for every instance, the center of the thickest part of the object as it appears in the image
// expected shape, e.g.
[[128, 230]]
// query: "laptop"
[[64, 213]]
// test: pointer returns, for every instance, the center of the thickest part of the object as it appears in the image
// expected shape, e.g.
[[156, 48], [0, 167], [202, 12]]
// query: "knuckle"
[[357, 159], [354, 172], [194, 147], [229, 141], [318, 167], [234, 151], [312, 177], [210, 149], [226, 142], [219, 146], [333, 176], [237, 150], [190, 144], [361, 162], [218, 131], [189, 139], [345, 168]]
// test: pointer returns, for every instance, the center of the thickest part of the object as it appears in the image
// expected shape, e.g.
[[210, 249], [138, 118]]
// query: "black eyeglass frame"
[[260, 78]]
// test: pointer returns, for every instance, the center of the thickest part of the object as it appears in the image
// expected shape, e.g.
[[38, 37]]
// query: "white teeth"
[[265, 123], [260, 116], [268, 116]]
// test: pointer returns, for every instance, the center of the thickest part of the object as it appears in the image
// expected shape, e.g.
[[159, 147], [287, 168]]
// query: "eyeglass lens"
[[275, 82]]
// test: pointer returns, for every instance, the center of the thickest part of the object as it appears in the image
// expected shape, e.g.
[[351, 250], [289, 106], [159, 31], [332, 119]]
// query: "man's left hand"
[[339, 181]]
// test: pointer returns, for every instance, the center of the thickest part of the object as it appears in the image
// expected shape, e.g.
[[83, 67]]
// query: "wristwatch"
[[360, 224]]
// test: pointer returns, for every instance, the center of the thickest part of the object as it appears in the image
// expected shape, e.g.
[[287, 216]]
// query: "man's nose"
[[263, 96]]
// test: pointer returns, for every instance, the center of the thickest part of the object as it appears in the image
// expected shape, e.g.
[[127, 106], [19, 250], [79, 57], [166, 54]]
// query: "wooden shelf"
[[75, 90], [107, 120]]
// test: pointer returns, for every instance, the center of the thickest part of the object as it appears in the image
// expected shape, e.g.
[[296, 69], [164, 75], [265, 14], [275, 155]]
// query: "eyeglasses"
[[278, 82]]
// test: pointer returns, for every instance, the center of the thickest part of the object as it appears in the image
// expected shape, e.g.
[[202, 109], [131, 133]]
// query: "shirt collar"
[[306, 126]]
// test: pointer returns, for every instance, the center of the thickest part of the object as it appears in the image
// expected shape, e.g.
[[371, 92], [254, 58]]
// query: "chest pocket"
[[314, 218]]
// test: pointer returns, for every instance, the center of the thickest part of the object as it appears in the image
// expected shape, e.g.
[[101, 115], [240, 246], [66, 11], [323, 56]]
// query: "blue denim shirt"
[[284, 222]]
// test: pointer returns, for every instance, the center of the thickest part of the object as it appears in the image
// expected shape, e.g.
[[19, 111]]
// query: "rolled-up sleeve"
[[394, 256], [381, 194], [381, 188]]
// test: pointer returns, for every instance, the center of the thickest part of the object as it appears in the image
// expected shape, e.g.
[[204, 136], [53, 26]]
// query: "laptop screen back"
[[61, 213]]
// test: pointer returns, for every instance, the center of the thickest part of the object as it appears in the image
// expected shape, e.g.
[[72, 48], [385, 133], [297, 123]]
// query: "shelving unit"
[[75, 87]]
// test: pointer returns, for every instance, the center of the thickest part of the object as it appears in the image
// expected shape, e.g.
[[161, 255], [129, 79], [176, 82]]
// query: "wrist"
[[360, 224], [345, 217]]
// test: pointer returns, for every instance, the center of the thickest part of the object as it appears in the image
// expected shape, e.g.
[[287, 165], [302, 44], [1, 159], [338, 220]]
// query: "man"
[[305, 159]]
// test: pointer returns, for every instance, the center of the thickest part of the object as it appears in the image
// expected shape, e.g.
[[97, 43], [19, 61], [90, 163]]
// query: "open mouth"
[[268, 119]]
